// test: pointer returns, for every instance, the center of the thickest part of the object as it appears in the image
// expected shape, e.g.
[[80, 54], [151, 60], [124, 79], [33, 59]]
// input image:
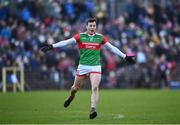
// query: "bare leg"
[[95, 81], [75, 87], [77, 84]]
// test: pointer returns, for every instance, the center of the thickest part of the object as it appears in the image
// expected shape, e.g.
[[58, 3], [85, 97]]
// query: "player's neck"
[[90, 34]]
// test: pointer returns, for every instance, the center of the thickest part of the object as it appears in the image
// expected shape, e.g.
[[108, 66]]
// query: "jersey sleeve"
[[115, 50], [104, 39], [76, 37]]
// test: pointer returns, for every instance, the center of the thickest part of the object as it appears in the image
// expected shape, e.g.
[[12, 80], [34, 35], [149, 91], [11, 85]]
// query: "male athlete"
[[89, 44]]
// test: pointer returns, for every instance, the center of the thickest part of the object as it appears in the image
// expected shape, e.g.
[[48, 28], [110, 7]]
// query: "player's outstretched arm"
[[46, 48], [129, 58]]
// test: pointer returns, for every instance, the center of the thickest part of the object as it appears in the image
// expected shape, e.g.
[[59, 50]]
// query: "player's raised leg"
[[95, 79], [75, 87]]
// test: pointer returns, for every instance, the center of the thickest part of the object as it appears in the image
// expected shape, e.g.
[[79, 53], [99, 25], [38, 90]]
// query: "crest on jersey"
[[91, 39]]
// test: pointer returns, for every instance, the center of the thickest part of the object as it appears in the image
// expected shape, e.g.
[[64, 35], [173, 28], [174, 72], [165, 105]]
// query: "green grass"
[[114, 107]]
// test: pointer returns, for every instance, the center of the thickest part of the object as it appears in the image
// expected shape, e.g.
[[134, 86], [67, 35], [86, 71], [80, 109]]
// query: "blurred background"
[[148, 28]]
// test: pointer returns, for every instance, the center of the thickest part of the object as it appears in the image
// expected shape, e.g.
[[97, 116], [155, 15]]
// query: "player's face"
[[91, 28]]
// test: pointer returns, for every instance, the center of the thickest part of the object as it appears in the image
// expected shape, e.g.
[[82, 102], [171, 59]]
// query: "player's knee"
[[94, 88]]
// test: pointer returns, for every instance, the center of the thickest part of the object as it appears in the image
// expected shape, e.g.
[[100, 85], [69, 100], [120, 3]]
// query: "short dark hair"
[[92, 19]]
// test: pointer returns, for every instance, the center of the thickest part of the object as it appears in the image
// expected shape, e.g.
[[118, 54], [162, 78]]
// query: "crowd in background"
[[151, 31]]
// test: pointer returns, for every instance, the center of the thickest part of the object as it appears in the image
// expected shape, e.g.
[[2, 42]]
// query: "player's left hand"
[[130, 59]]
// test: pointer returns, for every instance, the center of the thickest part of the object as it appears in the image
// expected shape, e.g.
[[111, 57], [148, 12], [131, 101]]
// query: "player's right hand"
[[46, 48]]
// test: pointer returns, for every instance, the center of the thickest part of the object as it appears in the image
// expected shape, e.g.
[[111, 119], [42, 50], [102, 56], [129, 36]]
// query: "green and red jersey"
[[89, 46]]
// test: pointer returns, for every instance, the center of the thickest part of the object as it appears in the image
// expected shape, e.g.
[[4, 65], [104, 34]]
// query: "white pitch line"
[[118, 116]]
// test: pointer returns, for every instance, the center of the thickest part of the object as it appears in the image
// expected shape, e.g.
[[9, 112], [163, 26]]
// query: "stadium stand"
[[149, 29]]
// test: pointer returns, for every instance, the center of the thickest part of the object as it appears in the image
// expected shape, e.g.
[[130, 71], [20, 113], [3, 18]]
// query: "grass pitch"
[[114, 107]]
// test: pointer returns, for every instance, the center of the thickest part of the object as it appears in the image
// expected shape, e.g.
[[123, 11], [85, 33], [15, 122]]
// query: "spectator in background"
[[163, 72]]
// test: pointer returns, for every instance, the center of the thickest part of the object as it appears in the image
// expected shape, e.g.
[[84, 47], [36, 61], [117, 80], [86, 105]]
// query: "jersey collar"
[[91, 35]]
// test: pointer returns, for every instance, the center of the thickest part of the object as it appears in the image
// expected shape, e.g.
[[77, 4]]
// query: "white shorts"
[[84, 70]]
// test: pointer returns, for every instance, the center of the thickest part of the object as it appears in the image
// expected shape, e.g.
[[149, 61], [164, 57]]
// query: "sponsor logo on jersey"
[[87, 45]]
